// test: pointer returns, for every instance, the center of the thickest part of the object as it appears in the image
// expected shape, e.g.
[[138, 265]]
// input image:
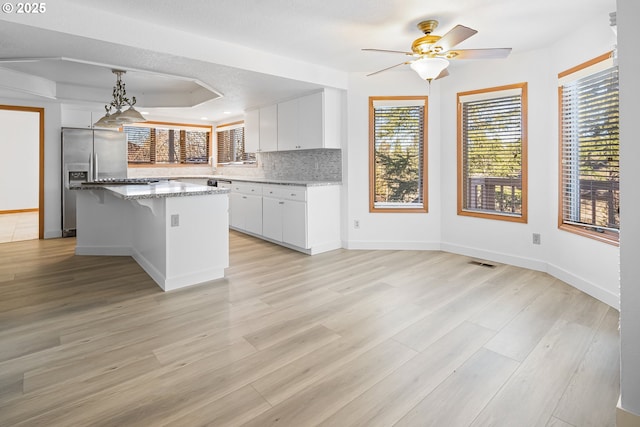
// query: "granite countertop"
[[156, 190], [276, 181]]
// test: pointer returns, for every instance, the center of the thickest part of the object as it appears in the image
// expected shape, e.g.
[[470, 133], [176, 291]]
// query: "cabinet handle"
[[244, 197], [293, 194], [281, 203]]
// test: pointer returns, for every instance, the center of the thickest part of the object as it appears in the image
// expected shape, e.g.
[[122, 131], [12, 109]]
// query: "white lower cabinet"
[[245, 208], [285, 221], [302, 218]]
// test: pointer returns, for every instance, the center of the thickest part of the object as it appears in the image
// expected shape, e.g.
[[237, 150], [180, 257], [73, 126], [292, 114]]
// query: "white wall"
[[565, 255], [629, 62], [388, 230], [20, 147], [52, 174]]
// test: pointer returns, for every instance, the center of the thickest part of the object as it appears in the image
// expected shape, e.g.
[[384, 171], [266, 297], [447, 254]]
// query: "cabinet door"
[[310, 121], [236, 211], [294, 223], [288, 125], [272, 218], [269, 128], [252, 131], [253, 213]]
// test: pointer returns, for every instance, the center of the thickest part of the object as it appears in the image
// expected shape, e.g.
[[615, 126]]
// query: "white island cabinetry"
[[177, 232]]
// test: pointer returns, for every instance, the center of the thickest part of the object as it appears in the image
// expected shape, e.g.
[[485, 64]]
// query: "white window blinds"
[[590, 155], [491, 145], [399, 153]]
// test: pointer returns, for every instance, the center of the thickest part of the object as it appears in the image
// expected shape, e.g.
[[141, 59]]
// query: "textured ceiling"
[[255, 51]]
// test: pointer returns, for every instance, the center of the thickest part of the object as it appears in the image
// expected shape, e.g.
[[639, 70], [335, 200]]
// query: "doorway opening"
[[22, 142]]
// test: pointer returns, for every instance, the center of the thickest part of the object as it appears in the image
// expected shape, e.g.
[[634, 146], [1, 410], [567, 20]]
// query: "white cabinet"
[[252, 131], [269, 128], [245, 207], [288, 136], [261, 129], [303, 218], [284, 214], [311, 121]]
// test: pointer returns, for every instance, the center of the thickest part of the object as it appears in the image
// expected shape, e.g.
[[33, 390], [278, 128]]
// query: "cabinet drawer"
[[246, 188], [288, 192]]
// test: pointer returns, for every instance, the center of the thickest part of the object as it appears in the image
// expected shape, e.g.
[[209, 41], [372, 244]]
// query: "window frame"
[[182, 126], [228, 127], [425, 157], [500, 216], [606, 236]]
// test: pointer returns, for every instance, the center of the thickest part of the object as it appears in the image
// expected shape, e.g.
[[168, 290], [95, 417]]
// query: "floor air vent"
[[482, 264]]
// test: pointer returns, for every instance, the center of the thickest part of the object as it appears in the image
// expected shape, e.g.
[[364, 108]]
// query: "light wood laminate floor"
[[15, 227], [345, 338]]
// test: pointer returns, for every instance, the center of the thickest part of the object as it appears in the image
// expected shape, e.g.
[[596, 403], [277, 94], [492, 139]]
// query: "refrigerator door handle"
[[90, 177], [95, 166]]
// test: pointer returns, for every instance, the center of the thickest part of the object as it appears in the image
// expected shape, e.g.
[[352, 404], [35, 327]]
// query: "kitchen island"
[[177, 232]]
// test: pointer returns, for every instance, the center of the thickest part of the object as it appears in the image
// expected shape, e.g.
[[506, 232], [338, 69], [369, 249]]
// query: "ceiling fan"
[[432, 53]]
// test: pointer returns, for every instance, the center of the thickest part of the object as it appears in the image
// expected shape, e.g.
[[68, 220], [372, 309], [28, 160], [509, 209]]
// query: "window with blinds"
[[492, 153], [167, 144], [590, 164], [231, 149], [398, 154]]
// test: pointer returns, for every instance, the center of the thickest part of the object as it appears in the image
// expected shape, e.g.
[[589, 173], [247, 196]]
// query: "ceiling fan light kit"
[[429, 68], [120, 100], [432, 52]]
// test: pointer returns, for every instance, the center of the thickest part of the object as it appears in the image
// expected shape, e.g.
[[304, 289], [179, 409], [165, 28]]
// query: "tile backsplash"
[[323, 164]]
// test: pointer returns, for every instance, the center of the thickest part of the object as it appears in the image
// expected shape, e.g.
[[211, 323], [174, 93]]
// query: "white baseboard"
[[395, 246], [625, 418], [577, 282], [585, 286], [530, 263], [104, 250], [55, 234]]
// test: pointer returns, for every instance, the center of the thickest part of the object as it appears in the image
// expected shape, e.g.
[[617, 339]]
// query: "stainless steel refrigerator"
[[88, 155]]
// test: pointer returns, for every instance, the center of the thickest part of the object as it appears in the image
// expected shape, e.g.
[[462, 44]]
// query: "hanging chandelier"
[[115, 116]]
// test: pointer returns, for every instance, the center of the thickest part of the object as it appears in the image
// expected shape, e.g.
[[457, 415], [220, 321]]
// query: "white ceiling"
[[254, 52]]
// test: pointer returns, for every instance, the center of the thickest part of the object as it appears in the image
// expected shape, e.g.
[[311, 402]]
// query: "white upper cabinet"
[[288, 137], [252, 131], [261, 129], [269, 128], [311, 121]]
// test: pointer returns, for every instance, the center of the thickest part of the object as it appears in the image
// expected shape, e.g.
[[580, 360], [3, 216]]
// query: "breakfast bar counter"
[[177, 232]]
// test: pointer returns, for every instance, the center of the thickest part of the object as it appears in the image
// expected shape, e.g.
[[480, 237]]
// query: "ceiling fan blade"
[[457, 34], [443, 73], [385, 69], [478, 53], [388, 51]]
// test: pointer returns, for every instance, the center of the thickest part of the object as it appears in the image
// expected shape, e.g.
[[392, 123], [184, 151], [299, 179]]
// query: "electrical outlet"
[[175, 220], [536, 238], [356, 223]]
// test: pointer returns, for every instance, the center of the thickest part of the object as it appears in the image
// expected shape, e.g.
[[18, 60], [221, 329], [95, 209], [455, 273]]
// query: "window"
[[231, 145], [398, 154], [492, 153], [589, 169], [167, 143]]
